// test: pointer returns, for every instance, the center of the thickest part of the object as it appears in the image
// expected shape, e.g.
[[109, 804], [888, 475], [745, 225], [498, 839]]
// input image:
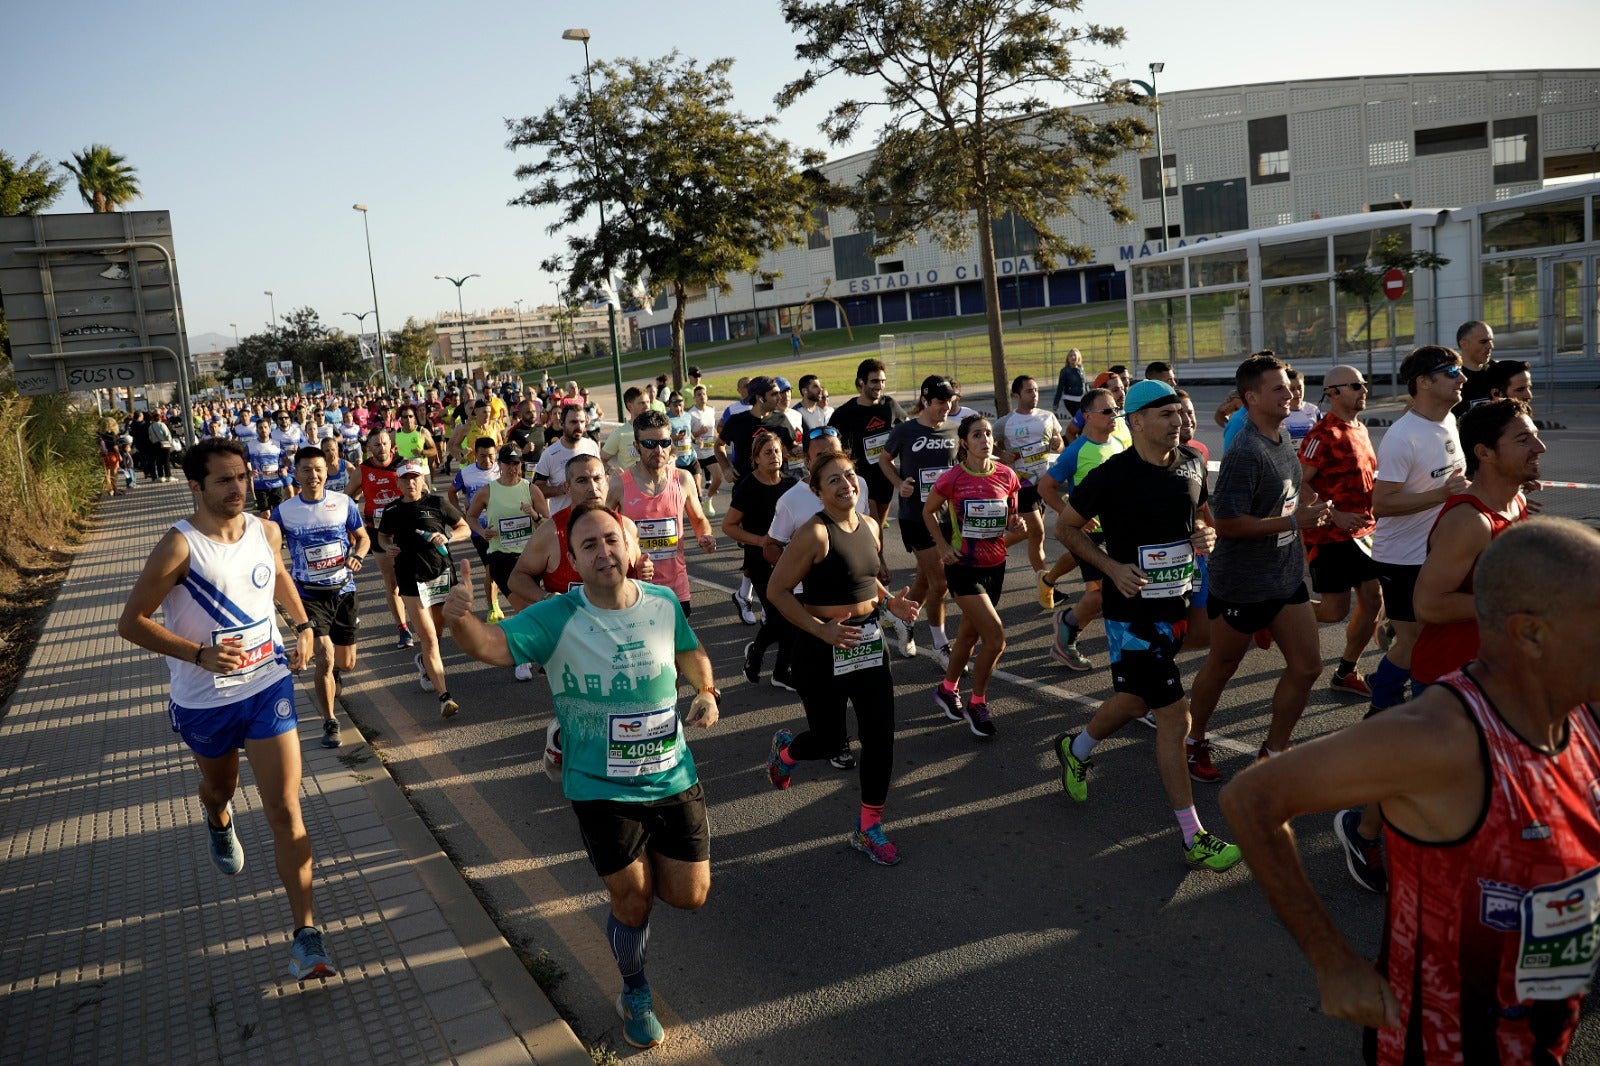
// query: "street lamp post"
[[272, 301], [1149, 88], [559, 315], [235, 326], [377, 319], [522, 338], [462, 316], [581, 34]]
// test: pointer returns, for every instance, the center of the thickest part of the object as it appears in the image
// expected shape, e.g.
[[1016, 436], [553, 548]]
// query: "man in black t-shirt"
[[1475, 342], [863, 422], [916, 453], [733, 440], [1149, 500]]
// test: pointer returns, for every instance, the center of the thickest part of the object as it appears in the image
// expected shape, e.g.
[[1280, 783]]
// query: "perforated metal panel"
[[1388, 120], [1388, 153], [1441, 102], [1517, 97], [1561, 130], [1384, 187], [1324, 140], [1210, 153], [1270, 205], [1327, 93], [1453, 180], [1266, 102], [1329, 193], [1570, 92], [1506, 192], [1202, 107]]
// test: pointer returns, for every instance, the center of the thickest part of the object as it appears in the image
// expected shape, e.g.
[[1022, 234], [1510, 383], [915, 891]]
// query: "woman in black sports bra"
[[839, 652]]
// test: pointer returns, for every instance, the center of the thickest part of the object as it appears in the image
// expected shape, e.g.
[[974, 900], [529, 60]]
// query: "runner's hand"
[[906, 488], [708, 543], [908, 608], [702, 711], [1354, 991], [1457, 484], [221, 658], [1129, 579], [1312, 512], [305, 644], [1203, 539], [458, 604], [836, 633]]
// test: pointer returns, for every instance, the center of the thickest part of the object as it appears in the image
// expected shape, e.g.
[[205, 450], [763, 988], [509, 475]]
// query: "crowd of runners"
[[581, 543]]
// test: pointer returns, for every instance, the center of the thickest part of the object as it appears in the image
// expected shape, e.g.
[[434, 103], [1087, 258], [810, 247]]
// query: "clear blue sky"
[[258, 125]]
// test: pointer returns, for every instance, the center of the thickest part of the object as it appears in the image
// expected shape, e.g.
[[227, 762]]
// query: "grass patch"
[[546, 972]]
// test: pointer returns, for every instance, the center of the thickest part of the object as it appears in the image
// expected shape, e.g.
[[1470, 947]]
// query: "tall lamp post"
[[1149, 88], [562, 328], [522, 338], [461, 316], [581, 34], [273, 303], [377, 319], [235, 326], [361, 324]]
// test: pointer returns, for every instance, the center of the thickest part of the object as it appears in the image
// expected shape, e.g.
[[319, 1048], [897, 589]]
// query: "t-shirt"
[[614, 682], [1474, 389], [267, 464], [1147, 515], [800, 503], [409, 523], [1029, 434], [864, 430], [740, 429], [468, 480], [703, 428], [1081, 456], [682, 439], [756, 503], [619, 445], [1342, 454], [1259, 476], [1419, 455], [921, 455], [552, 466], [981, 505], [318, 537]]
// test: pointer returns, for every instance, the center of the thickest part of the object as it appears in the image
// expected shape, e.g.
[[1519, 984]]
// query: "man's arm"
[[1390, 500], [532, 565], [694, 666], [483, 642], [1050, 492], [1454, 546], [697, 515]]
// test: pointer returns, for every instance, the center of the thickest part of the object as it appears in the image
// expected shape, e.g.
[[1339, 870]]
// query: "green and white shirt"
[[614, 681]]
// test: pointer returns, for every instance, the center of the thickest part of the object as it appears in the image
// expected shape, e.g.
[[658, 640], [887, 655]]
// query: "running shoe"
[[1047, 592], [846, 759], [783, 681], [1148, 718], [1362, 857], [447, 706], [552, 751], [1069, 656], [747, 612], [1200, 765], [978, 719], [496, 615], [778, 773], [875, 846], [1352, 683], [709, 508], [943, 655], [1074, 771], [404, 639], [1384, 636], [639, 1025], [949, 703], [226, 852], [752, 665], [523, 672], [308, 958], [1211, 852], [424, 682], [906, 638], [330, 733]]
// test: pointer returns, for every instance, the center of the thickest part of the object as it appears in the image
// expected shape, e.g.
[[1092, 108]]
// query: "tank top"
[[338, 478], [565, 575], [1443, 647], [660, 522], [848, 574], [408, 445], [1489, 942], [380, 486], [509, 525], [226, 597]]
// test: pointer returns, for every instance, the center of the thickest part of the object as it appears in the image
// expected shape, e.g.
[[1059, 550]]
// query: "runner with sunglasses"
[[657, 493]]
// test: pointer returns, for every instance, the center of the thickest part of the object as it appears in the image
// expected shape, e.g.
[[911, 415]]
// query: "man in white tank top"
[[214, 576]]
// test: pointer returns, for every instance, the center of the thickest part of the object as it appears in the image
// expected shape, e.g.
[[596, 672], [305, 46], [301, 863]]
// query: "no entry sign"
[[1394, 283]]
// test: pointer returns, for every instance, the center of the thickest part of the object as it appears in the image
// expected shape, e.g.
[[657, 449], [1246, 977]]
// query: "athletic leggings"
[[824, 697], [776, 629]]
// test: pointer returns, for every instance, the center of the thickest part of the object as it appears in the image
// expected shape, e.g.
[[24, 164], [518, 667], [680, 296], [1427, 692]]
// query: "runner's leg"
[[275, 761]]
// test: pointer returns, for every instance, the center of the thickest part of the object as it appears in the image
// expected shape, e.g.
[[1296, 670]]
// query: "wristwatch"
[[714, 691], [302, 627]]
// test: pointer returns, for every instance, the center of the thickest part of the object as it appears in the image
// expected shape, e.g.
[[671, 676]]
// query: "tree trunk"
[[991, 309], [680, 299]]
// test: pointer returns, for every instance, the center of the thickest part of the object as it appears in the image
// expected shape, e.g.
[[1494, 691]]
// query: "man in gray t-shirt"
[[1258, 567]]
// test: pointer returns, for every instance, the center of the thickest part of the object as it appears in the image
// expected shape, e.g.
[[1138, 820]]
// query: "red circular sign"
[[1394, 283]]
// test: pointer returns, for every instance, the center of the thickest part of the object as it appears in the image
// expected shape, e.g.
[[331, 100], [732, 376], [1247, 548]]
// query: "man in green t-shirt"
[[613, 650]]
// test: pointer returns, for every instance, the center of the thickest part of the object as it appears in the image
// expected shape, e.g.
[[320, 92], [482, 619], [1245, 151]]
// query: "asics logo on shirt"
[[933, 444]]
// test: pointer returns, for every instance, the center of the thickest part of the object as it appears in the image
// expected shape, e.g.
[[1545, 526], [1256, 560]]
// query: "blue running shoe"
[[639, 1025], [875, 846], [225, 849], [308, 958], [778, 773]]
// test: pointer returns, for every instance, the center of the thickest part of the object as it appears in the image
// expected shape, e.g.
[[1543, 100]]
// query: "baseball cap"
[[938, 388], [1101, 379], [510, 454], [1149, 393], [759, 386], [694, 372], [411, 467], [783, 384]]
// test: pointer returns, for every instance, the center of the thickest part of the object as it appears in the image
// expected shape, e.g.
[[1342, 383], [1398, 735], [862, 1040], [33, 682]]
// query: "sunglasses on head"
[[821, 431]]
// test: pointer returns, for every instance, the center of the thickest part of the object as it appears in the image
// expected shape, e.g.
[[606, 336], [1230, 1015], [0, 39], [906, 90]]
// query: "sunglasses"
[[1359, 386], [1112, 411], [659, 445], [820, 432], [1449, 370]]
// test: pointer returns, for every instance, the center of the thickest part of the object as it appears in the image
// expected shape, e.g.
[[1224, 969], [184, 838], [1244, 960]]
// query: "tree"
[[966, 131], [409, 347], [28, 188], [1364, 281], [105, 180], [692, 189]]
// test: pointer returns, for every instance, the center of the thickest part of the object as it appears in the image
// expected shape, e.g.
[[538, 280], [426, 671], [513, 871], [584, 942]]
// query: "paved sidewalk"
[[120, 942]]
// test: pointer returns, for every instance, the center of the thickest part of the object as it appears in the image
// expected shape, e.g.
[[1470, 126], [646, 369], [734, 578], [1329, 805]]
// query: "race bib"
[[269, 470], [684, 448], [1556, 958], [1036, 459], [434, 591], [1290, 535], [926, 478], [640, 744], [873, 445], [983, 519], [703, 447], [324, 561], [377, 516], [1170, 568], [515, 531], [254, 639], [658, 537], [863, 656]]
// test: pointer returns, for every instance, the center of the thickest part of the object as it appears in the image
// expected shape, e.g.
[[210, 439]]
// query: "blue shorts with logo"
[[1144, 660], [212, 732]]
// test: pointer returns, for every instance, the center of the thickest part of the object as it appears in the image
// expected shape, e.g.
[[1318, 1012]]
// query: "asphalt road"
[[1019, 928]]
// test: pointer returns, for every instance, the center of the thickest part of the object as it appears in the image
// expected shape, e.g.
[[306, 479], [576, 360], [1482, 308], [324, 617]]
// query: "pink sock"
[[787, 759], [871, 815], [947, 687], [1189, 822], [977, 699]]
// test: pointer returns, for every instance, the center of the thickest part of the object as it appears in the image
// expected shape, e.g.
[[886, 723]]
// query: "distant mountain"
[[200, 343]]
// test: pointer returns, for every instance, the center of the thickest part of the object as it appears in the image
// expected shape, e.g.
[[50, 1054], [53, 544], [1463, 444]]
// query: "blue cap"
[[783, 385], [1149, 393]]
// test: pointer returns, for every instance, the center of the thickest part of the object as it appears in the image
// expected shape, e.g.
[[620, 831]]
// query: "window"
[[1148, 178], [1269, 150], [1219, 268], [1366, 246], [818, 235], [1539, 226], [892, 266], [761, 286], [1216, 206], [851, 258], [1294, 259], [1157, 277], [1013, 236], [1446, 139], [1388, 153], [1515, 150], [1153, 233]]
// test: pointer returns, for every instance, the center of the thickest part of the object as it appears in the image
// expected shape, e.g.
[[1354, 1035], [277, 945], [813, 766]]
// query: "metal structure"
[[461, 319], [1149, 88], [273, 303], [377, 319]]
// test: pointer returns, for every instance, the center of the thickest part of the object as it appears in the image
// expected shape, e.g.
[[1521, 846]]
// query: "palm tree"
[[29, 187], [105, 181]]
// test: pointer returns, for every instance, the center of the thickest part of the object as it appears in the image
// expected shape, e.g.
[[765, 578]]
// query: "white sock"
[[744, 589], [939, 639]]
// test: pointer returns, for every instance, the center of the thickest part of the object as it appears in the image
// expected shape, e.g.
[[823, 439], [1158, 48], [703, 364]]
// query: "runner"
[[839, 655], [416, 532], [1337, 462], [1029, 439], [544, 568], [864, 422], [468, 481], [1485, 782], [983, 507], [733, 442], [510, 509], [703, 430], [266, 462], [628, 773], [749, 516], [916, 454], [214, 577], [414, 440], [683, 444], [550, 472], [350, 435], [617, 451], [380, 486], [1150, 502], [327, 547], [657, 494], [339, 470]]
